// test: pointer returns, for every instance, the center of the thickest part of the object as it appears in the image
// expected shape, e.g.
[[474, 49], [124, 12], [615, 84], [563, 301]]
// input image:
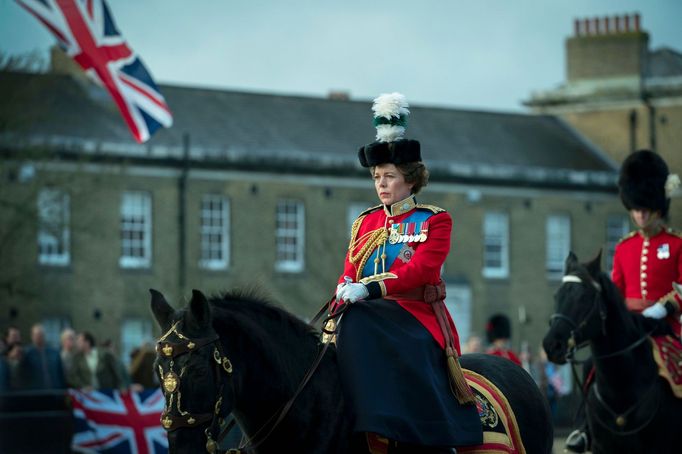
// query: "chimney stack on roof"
[[627, 23]]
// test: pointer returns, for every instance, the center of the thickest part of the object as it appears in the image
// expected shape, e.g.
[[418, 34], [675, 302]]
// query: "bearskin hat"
[[642, 182], [498, 327], [390, 120]]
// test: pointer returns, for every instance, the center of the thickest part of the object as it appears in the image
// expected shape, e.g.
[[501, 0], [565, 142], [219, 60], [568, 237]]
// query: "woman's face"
[[644, 218], [390, 184]]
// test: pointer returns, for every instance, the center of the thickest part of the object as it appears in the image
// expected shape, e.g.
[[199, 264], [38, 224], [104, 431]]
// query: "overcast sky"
[[482, 55]]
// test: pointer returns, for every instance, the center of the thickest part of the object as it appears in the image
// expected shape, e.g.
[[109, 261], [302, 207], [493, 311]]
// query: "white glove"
[[339, 291], [354, 292], [655, 311]]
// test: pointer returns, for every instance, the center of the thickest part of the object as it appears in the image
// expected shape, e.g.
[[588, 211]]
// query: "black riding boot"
[[578, 441]]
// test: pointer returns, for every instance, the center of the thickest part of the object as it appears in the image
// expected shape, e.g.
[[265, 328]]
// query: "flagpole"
[[182, 214]]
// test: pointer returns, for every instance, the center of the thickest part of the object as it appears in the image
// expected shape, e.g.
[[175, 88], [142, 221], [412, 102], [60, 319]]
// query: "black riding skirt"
[[395, 376]]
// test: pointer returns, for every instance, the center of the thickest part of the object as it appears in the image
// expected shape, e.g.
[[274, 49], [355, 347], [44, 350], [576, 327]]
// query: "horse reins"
[[620, 419]]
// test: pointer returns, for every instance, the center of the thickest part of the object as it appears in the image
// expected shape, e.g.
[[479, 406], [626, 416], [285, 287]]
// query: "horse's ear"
[[199, 310], [571, 261], [594, 265], [163, 312]]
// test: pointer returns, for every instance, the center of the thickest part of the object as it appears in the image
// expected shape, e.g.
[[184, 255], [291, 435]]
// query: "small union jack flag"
[[86, 31], [114, 422]]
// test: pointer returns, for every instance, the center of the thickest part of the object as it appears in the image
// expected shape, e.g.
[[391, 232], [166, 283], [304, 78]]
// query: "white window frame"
[[54, 233], [134, 333], [289, 240], [617, 226], [53, 327], [136, 217], [557, 244], [214, 227], [496, 235]]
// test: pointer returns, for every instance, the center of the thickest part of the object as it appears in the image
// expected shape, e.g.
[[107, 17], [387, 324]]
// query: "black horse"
[[630, 409], [241, 355]]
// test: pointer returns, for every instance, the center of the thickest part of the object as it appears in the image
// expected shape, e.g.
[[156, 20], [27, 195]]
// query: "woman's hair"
[[415, 173]]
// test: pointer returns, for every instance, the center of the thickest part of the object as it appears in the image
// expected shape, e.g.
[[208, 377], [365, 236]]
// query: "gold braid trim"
[[670, 298], [375, 238]]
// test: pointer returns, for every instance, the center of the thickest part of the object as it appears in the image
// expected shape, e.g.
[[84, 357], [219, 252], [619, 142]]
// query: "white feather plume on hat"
[[390, 116]]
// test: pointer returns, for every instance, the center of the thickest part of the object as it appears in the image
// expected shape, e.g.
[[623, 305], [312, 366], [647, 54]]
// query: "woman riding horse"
[[398, 327]]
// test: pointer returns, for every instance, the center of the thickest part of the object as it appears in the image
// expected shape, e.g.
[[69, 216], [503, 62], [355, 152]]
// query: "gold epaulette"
[[370, 210], [674, 232], [432, 208], [628, 236]]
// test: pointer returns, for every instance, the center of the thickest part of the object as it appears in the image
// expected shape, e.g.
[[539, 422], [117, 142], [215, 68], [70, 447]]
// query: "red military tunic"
[[644, 269], [423, 233], [504, 353]]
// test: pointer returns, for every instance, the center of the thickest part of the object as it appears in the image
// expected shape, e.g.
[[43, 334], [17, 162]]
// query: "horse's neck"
[[621, 367]]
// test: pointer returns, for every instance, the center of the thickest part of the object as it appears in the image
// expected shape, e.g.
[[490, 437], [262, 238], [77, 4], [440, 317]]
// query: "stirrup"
[[576, 441]]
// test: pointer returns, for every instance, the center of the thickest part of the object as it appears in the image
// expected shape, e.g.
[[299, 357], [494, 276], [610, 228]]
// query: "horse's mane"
[[612, 294], [268, 325]]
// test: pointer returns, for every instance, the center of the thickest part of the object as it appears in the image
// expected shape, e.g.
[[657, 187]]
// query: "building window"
[[135, 332], [496, 245], [558, 237], [136, 230], [617, 226], [290, 236], [458, 302], [215, 238], [354, 210], [53, 227]]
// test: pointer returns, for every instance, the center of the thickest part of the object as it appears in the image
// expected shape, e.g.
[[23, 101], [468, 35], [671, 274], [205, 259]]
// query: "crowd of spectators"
[[80, 362]]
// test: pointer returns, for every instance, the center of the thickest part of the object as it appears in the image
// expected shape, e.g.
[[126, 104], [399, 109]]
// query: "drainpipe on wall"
[[652, 123], [182, 214], [633, 130]]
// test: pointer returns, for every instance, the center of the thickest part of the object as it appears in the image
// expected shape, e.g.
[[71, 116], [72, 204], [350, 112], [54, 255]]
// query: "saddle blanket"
[[668, 356], [500, 430]]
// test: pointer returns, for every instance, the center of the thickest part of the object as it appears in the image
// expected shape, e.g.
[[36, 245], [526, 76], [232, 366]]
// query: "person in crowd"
[[17, 372], [42, 362], [393, 295], [498, 331], [108, 345], [647, 263], [93, 367], [67, 340], [142, 366], [474, 344], [12, 337]]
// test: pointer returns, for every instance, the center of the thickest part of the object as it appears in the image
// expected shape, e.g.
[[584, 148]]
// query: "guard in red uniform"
[[498, 331], [649, 260], [397, 345]]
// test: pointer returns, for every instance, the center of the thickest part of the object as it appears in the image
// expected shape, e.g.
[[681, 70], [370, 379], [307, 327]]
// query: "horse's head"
[[580, 311], [193, 371]]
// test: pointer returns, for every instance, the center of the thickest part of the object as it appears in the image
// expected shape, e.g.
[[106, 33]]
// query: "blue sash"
[[393, 250]]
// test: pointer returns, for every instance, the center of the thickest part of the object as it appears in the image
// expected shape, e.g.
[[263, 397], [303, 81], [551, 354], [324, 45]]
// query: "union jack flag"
[[86, 31], [114, 422]]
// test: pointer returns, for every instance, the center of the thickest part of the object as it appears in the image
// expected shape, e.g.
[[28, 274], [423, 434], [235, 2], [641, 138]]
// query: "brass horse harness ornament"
[[170, 382]]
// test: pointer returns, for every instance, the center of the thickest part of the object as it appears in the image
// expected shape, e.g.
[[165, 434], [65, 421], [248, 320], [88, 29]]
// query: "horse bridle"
[[620, 419], [170, 382], [576, 328]]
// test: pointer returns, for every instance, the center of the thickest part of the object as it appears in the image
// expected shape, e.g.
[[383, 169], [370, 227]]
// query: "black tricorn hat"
[[399, 152], [642, 180], [498, 327], [390, 120]]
